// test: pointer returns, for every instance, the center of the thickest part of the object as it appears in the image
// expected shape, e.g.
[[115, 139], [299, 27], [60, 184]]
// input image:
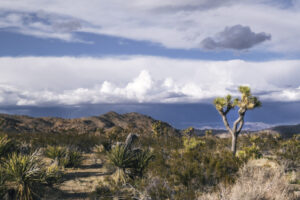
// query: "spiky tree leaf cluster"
[[226, 104]]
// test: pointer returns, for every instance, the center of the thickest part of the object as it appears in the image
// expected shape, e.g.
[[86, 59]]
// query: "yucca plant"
[[66, 157], [142, 161], [53, 174], [73, 158], [55, 152], [128, 161], [24, 172], [2, 183], [122, 158], [6, 146]]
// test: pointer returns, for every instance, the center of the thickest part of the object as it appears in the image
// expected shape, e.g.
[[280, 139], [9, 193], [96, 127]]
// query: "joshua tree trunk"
[[233, 144], [237, 127]]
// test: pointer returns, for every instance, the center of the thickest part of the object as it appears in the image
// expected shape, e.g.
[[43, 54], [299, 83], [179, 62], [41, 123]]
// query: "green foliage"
[[247, 101], [190, 143], [25, 172], [252, 152], [225, 103], [190, 131], [158, 128]]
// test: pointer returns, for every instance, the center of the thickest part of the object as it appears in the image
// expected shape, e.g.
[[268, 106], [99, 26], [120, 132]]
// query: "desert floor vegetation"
[[149, 166]]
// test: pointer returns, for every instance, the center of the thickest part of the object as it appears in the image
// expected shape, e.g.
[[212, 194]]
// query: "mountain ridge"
[[106, 122]]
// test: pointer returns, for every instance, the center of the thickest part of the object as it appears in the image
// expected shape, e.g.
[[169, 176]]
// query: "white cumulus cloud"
[[84, 80]]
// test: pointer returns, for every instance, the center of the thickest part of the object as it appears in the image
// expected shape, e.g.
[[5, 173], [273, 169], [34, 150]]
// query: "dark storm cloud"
[[194, 5], [236, 37], [68, 26]]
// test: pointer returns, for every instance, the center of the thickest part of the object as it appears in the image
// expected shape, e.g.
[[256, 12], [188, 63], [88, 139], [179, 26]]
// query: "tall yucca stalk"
[[24, 171]]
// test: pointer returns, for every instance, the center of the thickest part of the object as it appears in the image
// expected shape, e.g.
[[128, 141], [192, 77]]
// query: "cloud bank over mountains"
[[140, 79], [178, 24]]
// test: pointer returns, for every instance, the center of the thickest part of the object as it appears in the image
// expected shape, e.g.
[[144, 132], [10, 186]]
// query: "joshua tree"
[[224, 105]]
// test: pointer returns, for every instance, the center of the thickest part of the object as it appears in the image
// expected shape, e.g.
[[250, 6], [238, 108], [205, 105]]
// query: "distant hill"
[[106, 122], [286, 130]]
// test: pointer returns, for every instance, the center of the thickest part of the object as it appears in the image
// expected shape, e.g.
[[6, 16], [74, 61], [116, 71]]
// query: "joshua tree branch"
[[241, 124], [239, 121], [225, 121]]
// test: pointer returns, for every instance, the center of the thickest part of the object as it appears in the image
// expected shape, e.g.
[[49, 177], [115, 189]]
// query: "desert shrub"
[[158, 128], [6, 146], [108, 189], [252, 152], [53, 174], [142, 159], [158, 188], [203, 166], [289, 153], [65, 156], [3, 188], [73, 158], [190, 131], [103, 192], [83, 142], [25, 172], [207, 169], [190, 143], [255, 182], [55, 152]]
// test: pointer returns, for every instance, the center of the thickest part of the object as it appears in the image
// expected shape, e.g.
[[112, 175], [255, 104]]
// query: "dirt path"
[[78, 183]]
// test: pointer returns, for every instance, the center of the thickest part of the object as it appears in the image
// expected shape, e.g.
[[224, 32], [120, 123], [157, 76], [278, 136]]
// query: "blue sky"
[[145, 56]]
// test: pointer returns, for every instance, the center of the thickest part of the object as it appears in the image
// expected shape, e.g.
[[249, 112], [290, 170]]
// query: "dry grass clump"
[[256, 182]]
